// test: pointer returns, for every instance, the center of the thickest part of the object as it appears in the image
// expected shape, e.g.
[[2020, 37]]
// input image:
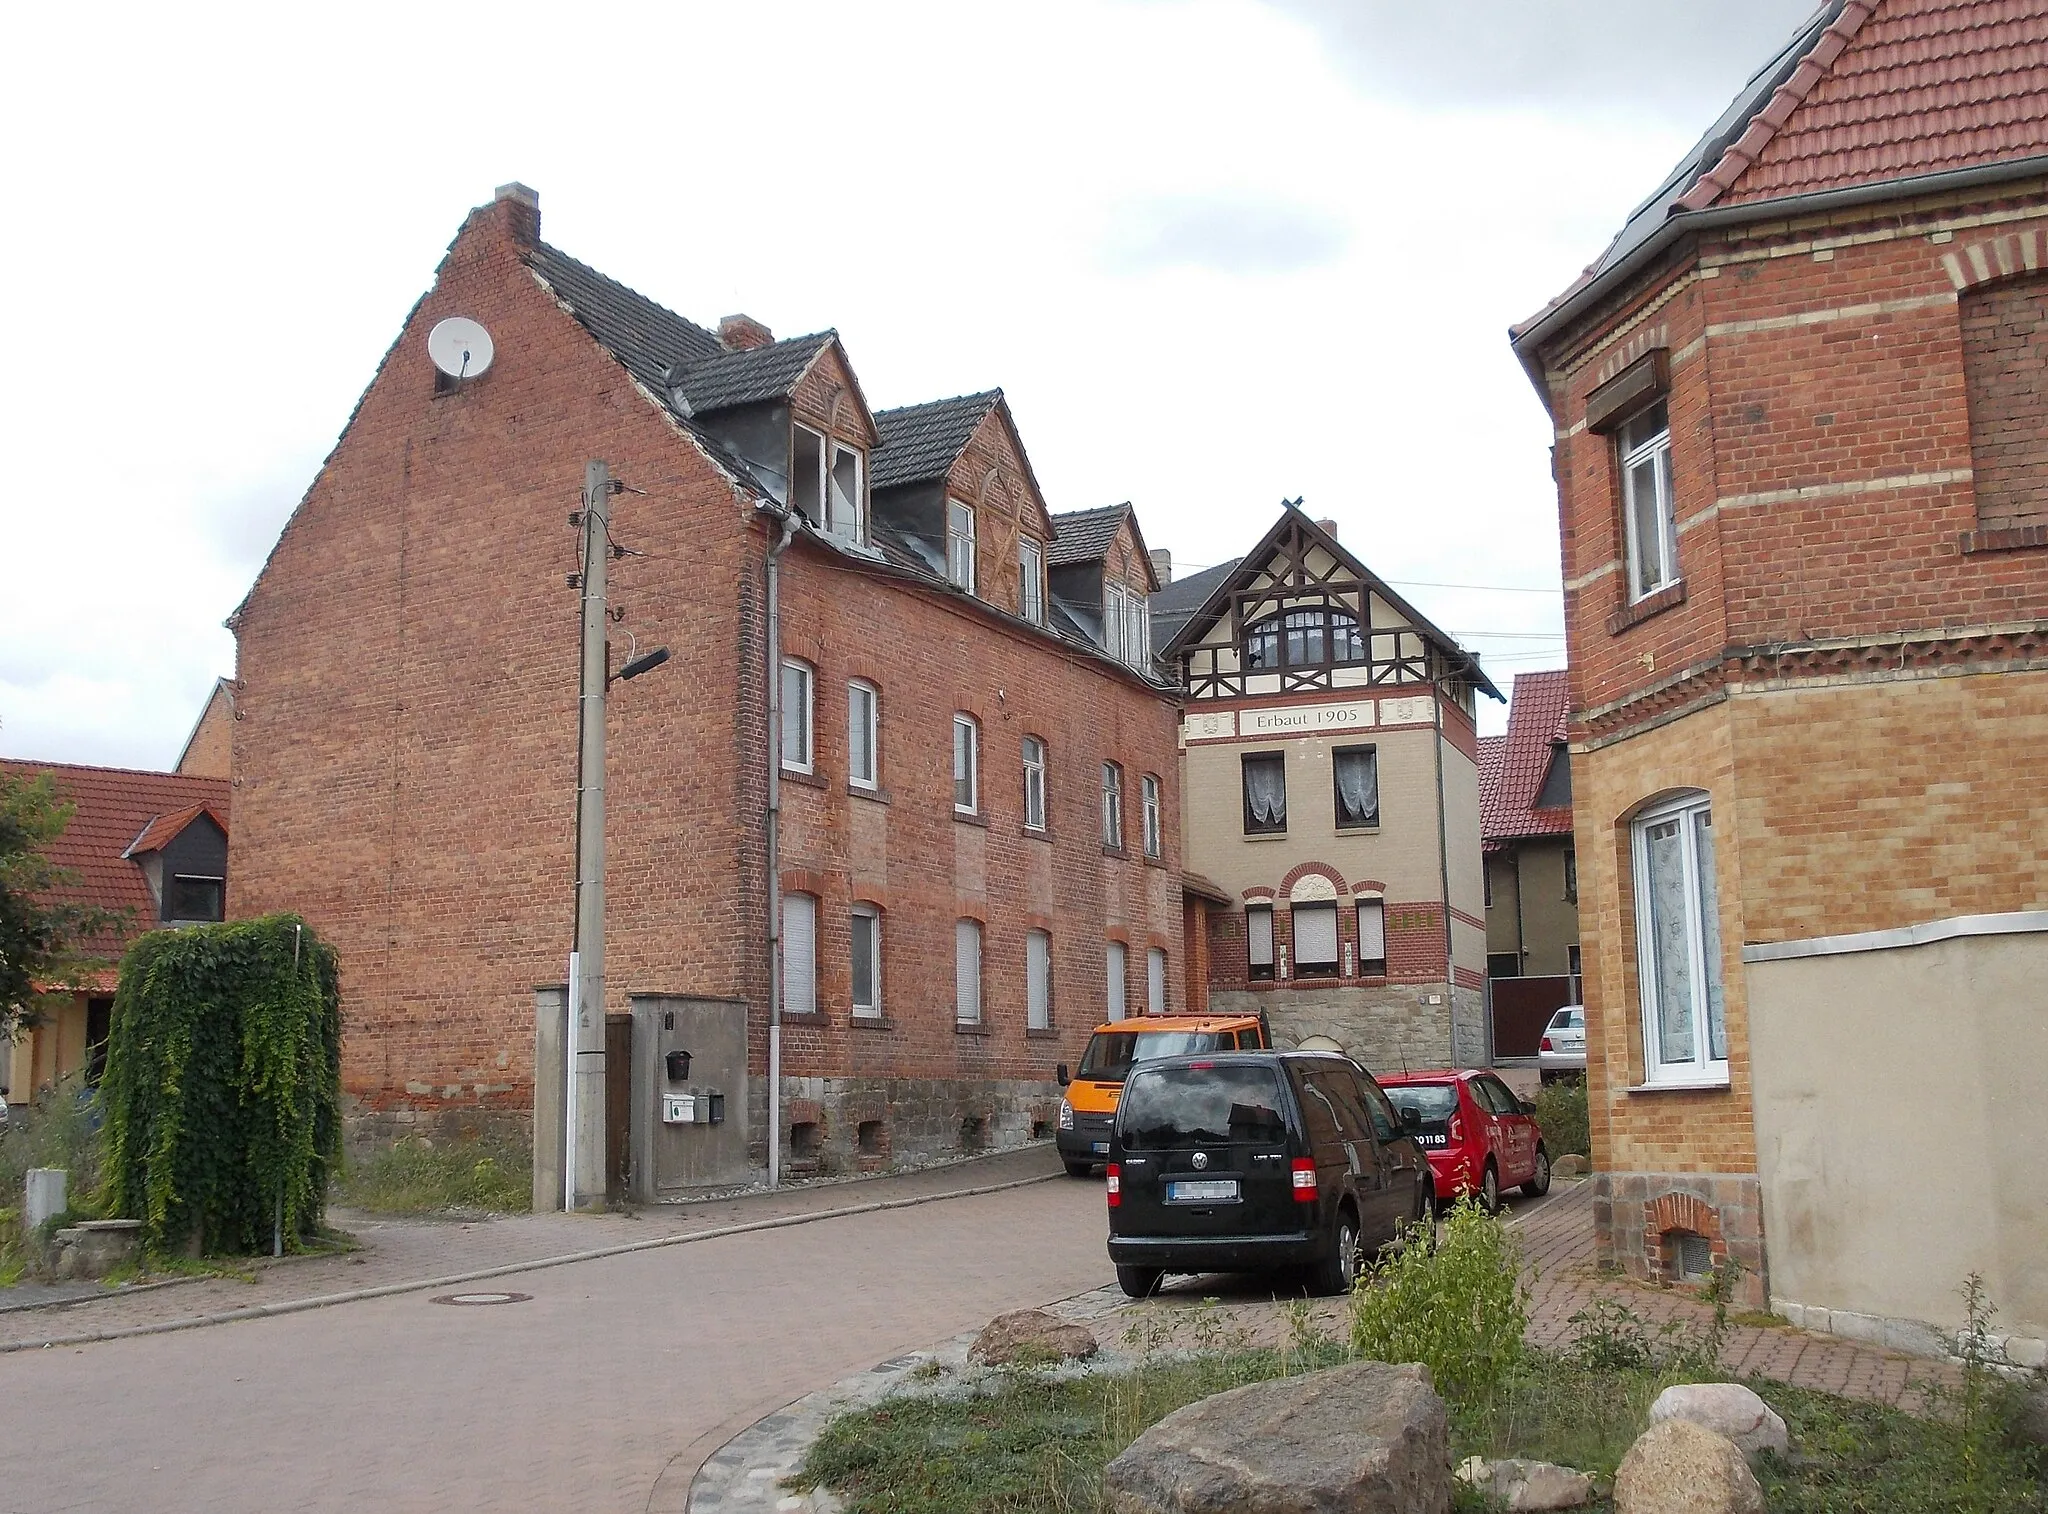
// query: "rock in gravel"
[[1367, 1438], [1516, 1484], [1030, 1335], [1727, 1409], [1676, 1467]]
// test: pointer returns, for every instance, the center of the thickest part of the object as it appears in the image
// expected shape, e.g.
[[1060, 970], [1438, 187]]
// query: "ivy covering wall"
[[223, 1084]]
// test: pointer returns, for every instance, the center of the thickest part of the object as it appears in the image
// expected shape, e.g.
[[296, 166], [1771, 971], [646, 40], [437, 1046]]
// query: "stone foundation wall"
[[1385, 1027], [1638, 1218], [841, 1125], [365, 1132]]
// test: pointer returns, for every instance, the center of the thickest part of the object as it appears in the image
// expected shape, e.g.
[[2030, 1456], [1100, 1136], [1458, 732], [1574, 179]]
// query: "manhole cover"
[[483, 1298]]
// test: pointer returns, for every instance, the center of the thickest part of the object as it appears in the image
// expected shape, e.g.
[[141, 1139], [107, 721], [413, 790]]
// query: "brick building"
[[1532, 875], [1329, 763], [151, 847], [405, 721], [1803, 483]]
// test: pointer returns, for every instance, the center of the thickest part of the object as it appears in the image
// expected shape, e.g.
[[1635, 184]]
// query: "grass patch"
[[1033, 1444], [420, 1177], [60, 1129]]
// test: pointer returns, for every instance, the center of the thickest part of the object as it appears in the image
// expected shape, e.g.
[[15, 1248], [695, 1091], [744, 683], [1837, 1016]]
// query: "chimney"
[[1162, 566], [742, 333], [1330, 527], [518, 211]]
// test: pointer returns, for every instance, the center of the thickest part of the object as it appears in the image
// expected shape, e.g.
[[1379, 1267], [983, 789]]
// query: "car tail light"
[[1304, 1178], [1545, 1045], [1455, 1131], [1114, 1189]]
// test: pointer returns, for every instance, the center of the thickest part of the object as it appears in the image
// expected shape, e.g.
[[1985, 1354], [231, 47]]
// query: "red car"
[[1480, 1138]]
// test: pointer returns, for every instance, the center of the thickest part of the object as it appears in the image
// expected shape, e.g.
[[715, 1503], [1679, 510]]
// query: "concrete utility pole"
[[587, 1137]]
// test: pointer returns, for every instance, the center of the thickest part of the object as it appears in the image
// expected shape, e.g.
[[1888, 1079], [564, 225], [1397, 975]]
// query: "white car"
[[1562, 1051]]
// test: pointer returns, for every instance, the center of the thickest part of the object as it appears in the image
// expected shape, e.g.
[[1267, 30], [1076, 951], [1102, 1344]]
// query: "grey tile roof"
[[1084, 535], [920, 442], [1174, 605], [659, 347]]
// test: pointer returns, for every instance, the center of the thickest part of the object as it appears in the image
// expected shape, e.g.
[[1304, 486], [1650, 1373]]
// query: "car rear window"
[[1168, 1107], [1112, 1053], [1430, 1101], [1568, 1019]]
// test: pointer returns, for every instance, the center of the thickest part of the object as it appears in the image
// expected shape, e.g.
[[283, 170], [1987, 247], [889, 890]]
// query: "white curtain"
[[799, 954], [1038, 980], [1265, 790], [967, 972], [1358, 785], [1670, 971], [1710, 934]]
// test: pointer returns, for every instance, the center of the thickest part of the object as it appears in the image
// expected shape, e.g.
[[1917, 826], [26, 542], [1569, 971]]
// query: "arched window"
[[1308, 638]]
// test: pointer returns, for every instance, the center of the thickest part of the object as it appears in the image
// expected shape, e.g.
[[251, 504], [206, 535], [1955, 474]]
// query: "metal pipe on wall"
[[772, 638]]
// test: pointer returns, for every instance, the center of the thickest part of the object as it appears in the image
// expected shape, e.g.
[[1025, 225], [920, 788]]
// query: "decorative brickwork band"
[[1996, 258]]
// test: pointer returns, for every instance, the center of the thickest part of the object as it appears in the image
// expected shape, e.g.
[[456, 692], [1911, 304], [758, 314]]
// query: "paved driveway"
[[604, 1391]]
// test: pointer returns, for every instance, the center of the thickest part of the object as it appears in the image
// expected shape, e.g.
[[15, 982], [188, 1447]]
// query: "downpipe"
[[772, 572]]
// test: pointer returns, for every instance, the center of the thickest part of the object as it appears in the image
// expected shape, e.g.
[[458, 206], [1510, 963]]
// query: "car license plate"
[[1100, 1148], [1201, 1190], [1433, 1140]]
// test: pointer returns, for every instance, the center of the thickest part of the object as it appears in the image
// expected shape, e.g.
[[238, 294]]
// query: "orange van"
[[1093, 1089]]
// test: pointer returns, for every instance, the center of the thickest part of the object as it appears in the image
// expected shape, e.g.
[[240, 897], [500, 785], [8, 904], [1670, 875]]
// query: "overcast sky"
[[1217, 252]]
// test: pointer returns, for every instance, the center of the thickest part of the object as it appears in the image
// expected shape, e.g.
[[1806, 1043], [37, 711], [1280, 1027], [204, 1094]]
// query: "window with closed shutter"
[[1315, 939], [1258, 921], [1372, 937], [1118, 971], [1155, 981], [1038, 980], [865, 927], [799, 954], [967, 972]]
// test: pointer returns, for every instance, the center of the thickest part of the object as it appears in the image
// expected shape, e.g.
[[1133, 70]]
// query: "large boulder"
[[1518, 1485], [1728, 1409], [1676, 1467], [1030, 1336], [1368, 1438]]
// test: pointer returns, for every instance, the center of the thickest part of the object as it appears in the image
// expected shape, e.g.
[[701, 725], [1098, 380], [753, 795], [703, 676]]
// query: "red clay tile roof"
[[113, 808], [1512, 767], [1891, 90], [163, 830]]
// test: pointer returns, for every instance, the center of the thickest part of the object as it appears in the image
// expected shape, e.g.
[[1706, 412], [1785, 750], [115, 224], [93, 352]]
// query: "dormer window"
[[807, 474], [844, 514], [832, 499], [1030, 581], [960, 544], [1126, 625], [190, 900]]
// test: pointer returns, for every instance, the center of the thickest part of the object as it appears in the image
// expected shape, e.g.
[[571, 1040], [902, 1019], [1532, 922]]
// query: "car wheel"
[[1489, 1189], [1539, 1181], [1338, 1273], [1078, 1169], [1138, 1282]]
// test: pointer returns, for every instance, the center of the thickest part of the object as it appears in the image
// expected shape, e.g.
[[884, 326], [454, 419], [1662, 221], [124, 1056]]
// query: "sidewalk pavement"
[[403, 1253]]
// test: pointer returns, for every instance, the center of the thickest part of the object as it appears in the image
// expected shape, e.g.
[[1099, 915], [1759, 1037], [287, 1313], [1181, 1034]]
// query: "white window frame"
[[1034, 783], [1155, 837], [967, 937], [804, 757], [873, 915], [1116, 982], [1655, 450], [960, 545], [859, 691], [847, 518], [1031, 580], [966, 724], [1038, 980], [1155, 980], [799, 954], [1113, 805], [1113, 620], [812, 496], [1702, 934], [1254, 914], [1374, 911]]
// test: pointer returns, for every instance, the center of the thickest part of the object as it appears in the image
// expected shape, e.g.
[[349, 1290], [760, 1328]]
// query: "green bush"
[[1458, 1307], [223, 1084], [1561, 1115]]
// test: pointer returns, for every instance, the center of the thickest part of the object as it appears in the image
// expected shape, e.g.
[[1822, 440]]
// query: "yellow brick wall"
[[1698, 1131]]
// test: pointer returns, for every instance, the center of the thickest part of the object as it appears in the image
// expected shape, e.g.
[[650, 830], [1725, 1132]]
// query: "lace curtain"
[[1358, 786], [1265, 791]]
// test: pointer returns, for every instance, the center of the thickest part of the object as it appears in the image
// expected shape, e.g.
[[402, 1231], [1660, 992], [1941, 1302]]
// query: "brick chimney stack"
[[1329, 526], [518, 210], [741, 333], [1162, 566]]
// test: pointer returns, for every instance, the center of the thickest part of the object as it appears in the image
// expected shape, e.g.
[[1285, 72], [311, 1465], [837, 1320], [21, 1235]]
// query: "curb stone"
[[625, 1248]]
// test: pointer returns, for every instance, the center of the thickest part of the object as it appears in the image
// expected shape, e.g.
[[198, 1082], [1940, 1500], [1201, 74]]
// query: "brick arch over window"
[[1258, 893], [1368, 886], [1647, 340], [1680, 1211], [2017, 252], [1313, 869]]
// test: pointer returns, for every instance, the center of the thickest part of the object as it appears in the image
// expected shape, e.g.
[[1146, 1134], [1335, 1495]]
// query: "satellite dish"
[[460, 347]]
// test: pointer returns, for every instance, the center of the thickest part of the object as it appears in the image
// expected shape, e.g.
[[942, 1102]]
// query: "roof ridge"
[[95, 767], [628, 289], [1738, 156], [988, 395]]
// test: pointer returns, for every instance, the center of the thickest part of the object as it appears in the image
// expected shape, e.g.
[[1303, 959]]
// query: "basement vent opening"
[[806, 1138], [1041, 1131], [1692, 1256], [869, 1135], [973, 1133]]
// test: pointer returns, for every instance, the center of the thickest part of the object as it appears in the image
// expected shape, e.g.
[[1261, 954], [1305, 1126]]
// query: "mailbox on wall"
[[689, 1054]]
